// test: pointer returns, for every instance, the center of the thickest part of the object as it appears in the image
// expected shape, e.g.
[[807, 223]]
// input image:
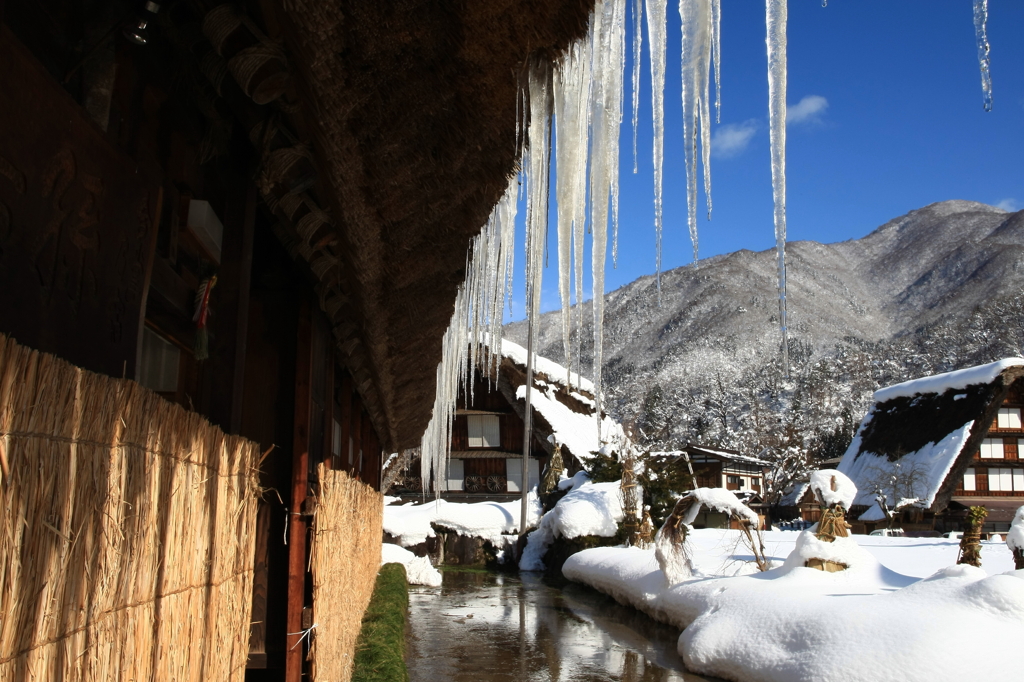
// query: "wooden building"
[[949, 441], [486, 458], [720, 468], [261, 212]]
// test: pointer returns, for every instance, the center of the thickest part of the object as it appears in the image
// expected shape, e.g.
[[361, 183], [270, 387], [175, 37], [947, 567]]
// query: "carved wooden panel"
[[76, 219]]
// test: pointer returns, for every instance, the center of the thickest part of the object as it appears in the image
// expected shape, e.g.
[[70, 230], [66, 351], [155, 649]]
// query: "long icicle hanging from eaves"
[[580, 102]]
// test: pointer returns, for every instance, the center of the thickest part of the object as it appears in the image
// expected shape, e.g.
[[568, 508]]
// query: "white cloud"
[[1010, 205], [807, 110], [732, 138]]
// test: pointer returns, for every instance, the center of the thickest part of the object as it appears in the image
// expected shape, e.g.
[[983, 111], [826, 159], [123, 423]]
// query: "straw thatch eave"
[[904, 425], [412, 107]]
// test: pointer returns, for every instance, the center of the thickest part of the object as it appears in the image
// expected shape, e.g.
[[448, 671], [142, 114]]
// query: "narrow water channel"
[[489, 627]]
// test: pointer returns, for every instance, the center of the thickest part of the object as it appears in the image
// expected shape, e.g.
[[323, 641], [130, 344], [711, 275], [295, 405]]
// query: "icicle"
[[656, 30], [697, 16], [716, 47], [776, 21], [638, 40], [571, 85], [476, 318], [606, 118], [618, 36], [981, 35]]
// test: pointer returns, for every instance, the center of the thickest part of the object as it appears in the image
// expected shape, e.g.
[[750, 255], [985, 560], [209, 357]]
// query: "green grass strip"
[[380, 650]]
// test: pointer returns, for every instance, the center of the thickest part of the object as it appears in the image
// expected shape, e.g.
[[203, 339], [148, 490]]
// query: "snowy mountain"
[[919, 294]]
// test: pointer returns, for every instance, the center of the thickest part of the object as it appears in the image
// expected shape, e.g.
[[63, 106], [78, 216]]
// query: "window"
[[969, 483], [1009, 418], [159, 363], [733, 483], [1018, 480], [483, 431], [1000, 480], [992, 448]]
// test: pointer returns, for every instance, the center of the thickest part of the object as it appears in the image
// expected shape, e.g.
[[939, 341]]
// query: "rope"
[[249, 61], [123, 444]]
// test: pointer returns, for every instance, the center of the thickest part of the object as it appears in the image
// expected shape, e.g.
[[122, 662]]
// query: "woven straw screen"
[[126, 531], [345, 561]]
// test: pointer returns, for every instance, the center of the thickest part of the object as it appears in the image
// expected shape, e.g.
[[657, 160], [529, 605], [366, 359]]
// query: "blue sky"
[[886, 116]]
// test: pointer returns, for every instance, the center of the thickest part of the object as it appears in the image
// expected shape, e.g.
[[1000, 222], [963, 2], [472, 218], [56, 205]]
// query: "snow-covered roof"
[[940, 383], [575, 431], [923, 431], [552, 370], [724, 454], [795, 494], [569, 409]]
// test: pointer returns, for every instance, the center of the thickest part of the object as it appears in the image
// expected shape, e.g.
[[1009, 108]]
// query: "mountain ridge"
[[912, 278]]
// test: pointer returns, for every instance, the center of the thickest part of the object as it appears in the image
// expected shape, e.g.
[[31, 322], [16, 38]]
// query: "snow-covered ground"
[[410, 523], [418, 570], [902, 611]]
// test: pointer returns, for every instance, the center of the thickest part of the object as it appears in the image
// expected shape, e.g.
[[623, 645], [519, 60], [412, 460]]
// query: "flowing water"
[[486, 627]]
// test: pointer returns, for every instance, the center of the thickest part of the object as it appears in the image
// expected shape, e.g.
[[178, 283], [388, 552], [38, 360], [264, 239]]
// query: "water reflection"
[[484, 627]]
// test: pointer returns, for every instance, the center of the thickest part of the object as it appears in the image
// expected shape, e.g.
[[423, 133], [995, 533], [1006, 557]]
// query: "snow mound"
[[940, 383], [794, 623], [721, 500], [418, 570], [410, 524], [844, 551], [1015, 538], [588, 509], [822, 484]]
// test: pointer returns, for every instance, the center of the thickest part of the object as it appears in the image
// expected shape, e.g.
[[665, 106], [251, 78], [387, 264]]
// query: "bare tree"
[[896, 485]]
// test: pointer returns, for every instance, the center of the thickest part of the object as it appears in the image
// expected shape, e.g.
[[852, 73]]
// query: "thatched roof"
[[563, 413], [411, 106], [930, 427]]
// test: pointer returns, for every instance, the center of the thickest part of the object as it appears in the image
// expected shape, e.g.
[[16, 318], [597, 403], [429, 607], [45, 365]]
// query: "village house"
[[930, 448], [486, 457], [720, 468], [228, 256]]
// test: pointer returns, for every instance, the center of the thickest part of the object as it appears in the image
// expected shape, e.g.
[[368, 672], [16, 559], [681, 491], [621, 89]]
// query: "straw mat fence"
[[126, 531], [345, 558]]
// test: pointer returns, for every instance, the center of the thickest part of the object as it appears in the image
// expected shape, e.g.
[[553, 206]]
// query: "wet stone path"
[[488, 627]]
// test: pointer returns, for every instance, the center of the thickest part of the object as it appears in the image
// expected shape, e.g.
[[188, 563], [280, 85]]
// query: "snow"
[[721, 500], [930, 465], [822, 483], [410, 524], [418, 570], [588, 509], [573, 430], [796, 623], [552, 371], [674, 558], [940, 383], [874, 513], [1015, 538]]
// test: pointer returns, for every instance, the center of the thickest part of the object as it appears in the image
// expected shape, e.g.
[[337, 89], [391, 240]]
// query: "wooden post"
[[345, 419], [294, 652], [328, 457], [242, 319], [357, 436]]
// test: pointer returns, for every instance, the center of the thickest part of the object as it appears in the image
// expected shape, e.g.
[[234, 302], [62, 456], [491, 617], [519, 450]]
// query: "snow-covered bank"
[[869, 622], [418, 570], [410, 523], [588, 509]]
